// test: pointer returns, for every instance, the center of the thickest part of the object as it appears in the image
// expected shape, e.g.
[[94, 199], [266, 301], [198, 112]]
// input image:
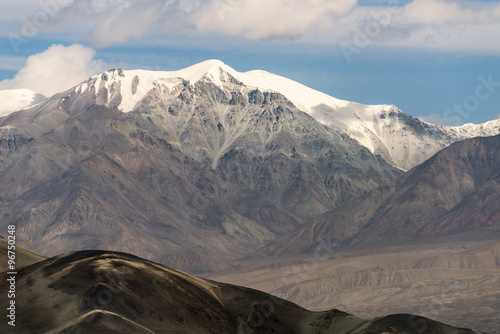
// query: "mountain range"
[[205, 158], [235, 175], [217, 169], [400, 139]]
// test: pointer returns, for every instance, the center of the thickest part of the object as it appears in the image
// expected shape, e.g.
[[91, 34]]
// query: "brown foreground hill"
[[109, 292]]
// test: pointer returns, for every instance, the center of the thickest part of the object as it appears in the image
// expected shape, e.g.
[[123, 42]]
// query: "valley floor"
[[455, 280]]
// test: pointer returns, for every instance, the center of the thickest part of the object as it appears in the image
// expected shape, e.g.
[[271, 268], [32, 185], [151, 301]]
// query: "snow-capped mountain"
[[202, 166], [402, 140], [16, 99], [215, 160], [205, 163]]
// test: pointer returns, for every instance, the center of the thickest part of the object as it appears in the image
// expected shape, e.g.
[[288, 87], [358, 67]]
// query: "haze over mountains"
[[209, 170]]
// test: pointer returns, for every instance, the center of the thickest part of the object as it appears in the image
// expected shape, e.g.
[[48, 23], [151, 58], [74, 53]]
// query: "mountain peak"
[[212, 70], [208, 66], [131, 86]]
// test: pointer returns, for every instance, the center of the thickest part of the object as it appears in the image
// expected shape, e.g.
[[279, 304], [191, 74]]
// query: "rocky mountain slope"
[[455, 191], [203, 163], [103, 292]]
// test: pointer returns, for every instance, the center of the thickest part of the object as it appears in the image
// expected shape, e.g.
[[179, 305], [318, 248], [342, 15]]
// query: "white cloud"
[[56, 69], [421, 24], [466, 37], [436, 24], [448, 25], [14, 11], [110, 22], [258, 19], [439, 12], [117, 21], [17, 99], [123, 22]]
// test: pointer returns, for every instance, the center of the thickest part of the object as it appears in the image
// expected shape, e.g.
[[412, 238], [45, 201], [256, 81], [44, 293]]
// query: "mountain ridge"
[[404, 141]]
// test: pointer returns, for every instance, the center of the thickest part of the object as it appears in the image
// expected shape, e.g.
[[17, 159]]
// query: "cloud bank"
[[260, 19], [56, 69], [439, 24], [116, 21]]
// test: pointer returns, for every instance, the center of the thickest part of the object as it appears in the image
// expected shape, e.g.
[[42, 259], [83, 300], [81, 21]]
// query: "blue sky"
[[434, 58]]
